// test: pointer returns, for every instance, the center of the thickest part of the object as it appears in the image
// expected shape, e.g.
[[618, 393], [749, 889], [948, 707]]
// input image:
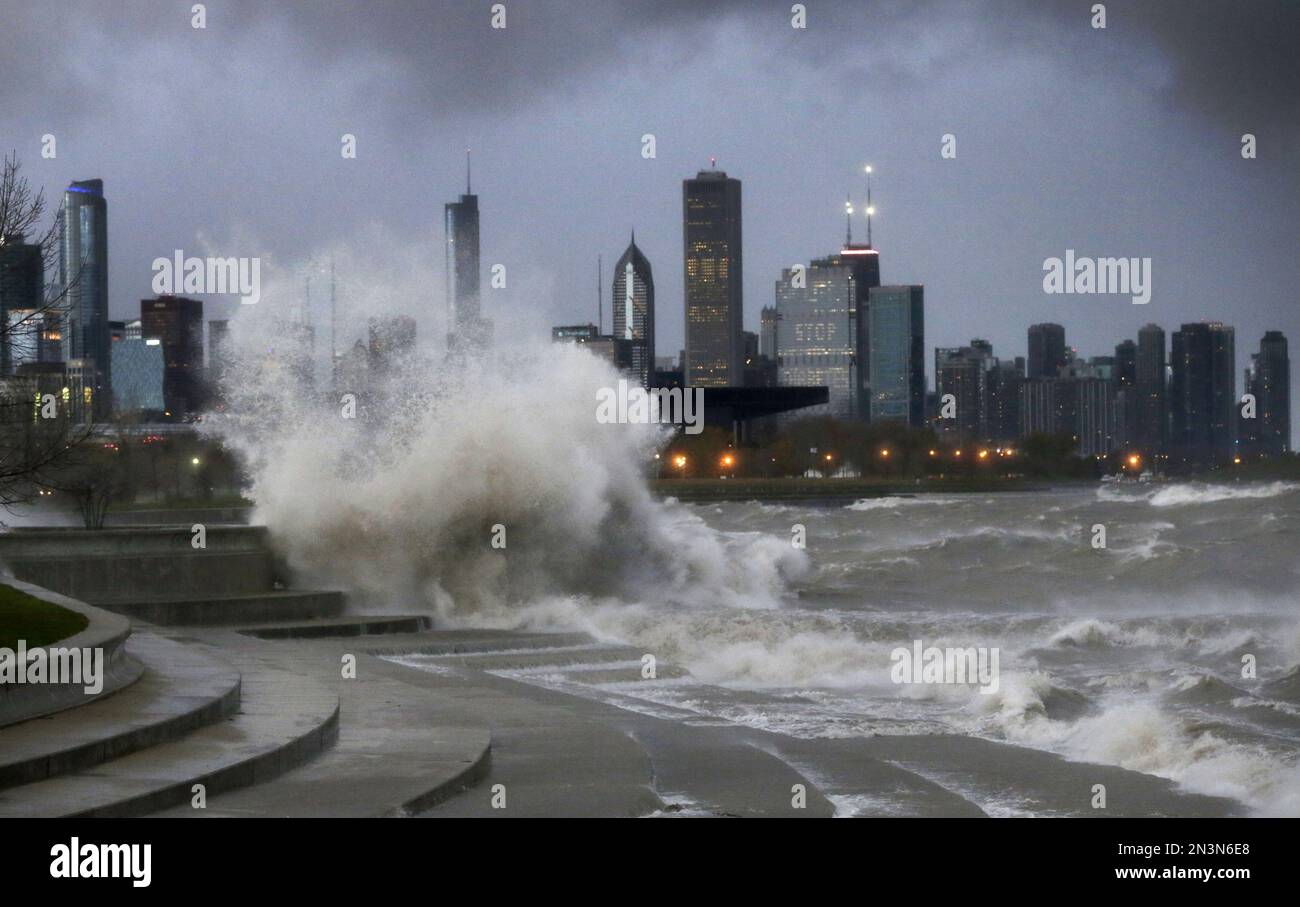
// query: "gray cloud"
[[1122, 141]]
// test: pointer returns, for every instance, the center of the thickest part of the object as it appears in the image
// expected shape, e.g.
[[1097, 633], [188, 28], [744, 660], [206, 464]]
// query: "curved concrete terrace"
[[104, 631]]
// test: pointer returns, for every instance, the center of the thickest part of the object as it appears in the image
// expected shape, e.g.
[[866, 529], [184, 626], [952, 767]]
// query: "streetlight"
[[679, 461], [195, 461]]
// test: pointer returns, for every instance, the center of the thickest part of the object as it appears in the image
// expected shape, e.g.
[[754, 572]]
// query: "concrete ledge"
[[127, 564], [341, 626], [125, 542], [177, 517], [106, 631], [251, 608]]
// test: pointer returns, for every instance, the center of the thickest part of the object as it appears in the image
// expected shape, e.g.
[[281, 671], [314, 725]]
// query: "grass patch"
[[40, 623]]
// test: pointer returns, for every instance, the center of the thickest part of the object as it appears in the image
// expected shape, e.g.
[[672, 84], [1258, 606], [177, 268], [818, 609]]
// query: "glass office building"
[[83, 279], [815, 333], [897, 358]]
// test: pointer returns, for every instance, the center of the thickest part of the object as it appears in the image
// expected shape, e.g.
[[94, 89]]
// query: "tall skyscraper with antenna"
[[864, 262], [466, 329]]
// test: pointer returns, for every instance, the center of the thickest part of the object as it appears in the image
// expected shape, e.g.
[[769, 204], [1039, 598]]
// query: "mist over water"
[[1128, 656]]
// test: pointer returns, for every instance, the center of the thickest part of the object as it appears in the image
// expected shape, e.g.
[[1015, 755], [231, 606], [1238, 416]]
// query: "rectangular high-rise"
[[1270, 383], [897, 354], [1047, 354], [767, 332], [864, 264], [83, 285], [22, 301], [711, 239], [815, 338], [1202, 394], [466, 328], [177, 322], [1151, 417]]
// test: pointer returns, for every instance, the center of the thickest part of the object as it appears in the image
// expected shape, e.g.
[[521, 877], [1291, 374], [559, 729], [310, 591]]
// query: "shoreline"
[[815, 491]]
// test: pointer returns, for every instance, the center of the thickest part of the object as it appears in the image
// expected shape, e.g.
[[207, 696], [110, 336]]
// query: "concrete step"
[[359, 625], [399, 751], [252, 608], [623, 673], [284, 720], [452, 642], [525, 659], [181, 689]]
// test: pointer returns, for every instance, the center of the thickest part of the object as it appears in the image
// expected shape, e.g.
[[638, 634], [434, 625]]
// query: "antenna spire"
[[870, 209], [600, 295], [334, 315], [848, 221], [467, 189]]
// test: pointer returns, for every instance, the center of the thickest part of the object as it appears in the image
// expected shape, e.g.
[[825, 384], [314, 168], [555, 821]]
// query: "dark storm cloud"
[[1117, 141]]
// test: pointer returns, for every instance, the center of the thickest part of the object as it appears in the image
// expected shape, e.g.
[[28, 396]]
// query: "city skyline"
[[1054, 151]]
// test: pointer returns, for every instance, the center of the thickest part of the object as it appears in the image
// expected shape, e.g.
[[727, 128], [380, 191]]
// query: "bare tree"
[[37, 432]]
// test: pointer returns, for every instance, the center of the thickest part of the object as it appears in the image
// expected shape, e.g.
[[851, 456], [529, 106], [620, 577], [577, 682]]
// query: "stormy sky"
[[1123, 141]]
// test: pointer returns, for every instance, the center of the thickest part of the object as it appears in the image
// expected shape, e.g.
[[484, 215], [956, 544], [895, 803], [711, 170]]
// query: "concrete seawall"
[[141, 564]]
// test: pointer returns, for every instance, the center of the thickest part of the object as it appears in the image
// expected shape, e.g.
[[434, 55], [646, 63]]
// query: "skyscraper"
[[1270, 382], [960, 372], [83, 281], [1126, 363], [1151, 428], [22, 299], [633, 301], [864, 264], [1002, 399], [139, 376], [1046, 350], [711, 239], [1125, 378], [178, 323], [1095, 413], [815, 337], [767, 332], [1202, 395], [897, 354], [466, 329]]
